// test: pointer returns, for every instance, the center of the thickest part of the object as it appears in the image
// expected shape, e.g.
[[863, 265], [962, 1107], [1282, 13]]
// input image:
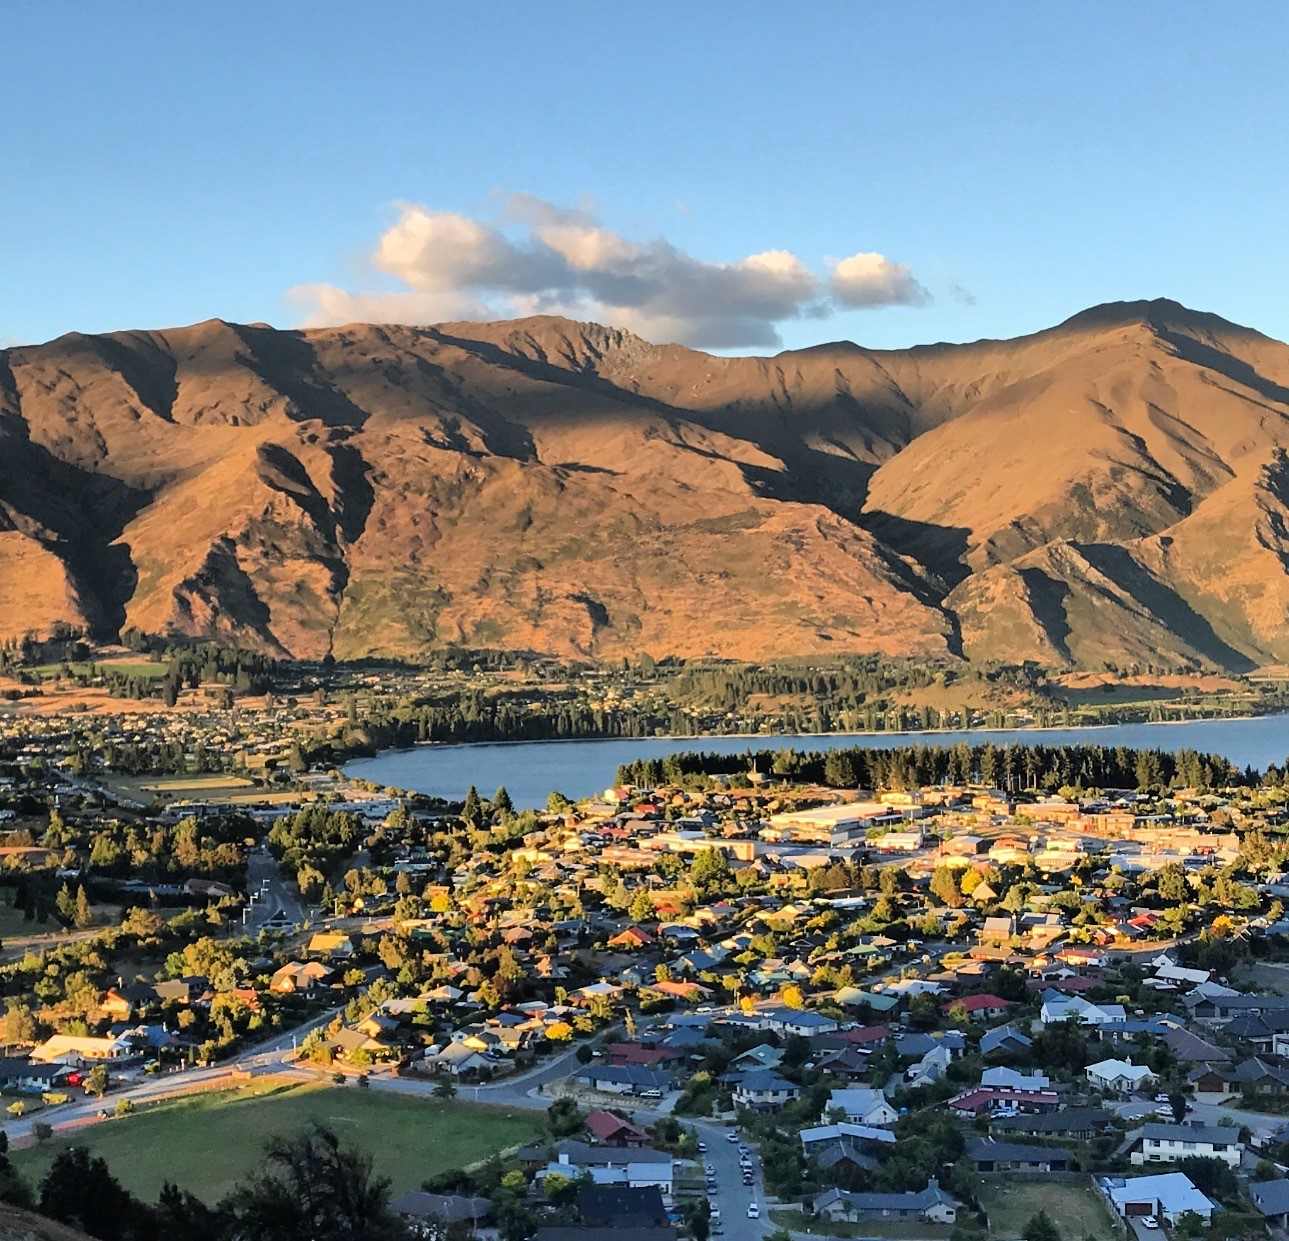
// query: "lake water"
[[530, 770]]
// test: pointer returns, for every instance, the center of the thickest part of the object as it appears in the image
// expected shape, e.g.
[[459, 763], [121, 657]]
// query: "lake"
[[531, 769]]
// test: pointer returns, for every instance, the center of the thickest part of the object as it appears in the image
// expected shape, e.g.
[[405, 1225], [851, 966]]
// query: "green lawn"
[[205, 1143], [1075, 1209], [143, 669]]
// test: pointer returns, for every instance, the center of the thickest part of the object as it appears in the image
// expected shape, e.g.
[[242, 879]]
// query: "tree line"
[[1013, 768]]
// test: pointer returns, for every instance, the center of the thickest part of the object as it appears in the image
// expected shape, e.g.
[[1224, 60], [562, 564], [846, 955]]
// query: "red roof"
[[605, 1126], [866, 1034], [974, 1003]]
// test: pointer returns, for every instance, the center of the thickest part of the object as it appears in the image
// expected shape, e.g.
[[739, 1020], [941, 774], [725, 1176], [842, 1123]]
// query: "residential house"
[[610, 1207], [1164, 1143], [763, 1090], [431, 1214], [931, 1205], [23, 1076], [76, 1049], [981, 1007], [1005, 1076], [861, 1106], [1058, 1007], [989, 1155], [1118, 1076], [609, 1129], [331, 945], [299, 976], [624, 1079], [1080, 1124], [633, 1167], [1169, 1195], [1004, 1040], [843, 1146], [1271, 1200]]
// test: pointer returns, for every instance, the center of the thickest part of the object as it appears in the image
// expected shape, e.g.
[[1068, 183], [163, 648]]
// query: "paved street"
[[282, 894]]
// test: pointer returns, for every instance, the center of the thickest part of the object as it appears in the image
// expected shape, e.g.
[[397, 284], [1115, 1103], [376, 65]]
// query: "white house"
[[638, 1167], [1162, 1143], [1170, 1194], [862, 1106], [1004, 1076], [74, 1049], [1057, 1006], [764, 1090], [1118, 1076]]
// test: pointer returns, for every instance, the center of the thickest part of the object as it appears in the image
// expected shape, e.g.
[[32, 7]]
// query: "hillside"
[[1113, 488]]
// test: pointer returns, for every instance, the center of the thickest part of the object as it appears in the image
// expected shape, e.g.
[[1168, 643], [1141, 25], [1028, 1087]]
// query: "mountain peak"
[[1158, 313]]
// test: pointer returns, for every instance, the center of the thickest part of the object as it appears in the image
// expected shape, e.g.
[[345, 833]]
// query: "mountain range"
[[1111, 490]]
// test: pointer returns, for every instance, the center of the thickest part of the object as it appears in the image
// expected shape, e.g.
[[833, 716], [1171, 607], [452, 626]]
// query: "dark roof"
[[1270, 1197], [616, 1206], [1217, 1134], [1070, 1120], [447, 1207], [978, 1149]]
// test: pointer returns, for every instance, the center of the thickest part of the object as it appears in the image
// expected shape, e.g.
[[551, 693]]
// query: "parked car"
[[1150, 1222]]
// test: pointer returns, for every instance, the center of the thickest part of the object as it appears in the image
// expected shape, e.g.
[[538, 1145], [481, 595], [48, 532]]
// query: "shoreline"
[[770, 737]]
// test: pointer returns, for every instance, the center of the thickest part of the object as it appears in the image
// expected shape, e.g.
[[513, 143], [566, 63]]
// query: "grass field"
[[144, 670], [197, 786], [1075, 1209], [206, 1143]]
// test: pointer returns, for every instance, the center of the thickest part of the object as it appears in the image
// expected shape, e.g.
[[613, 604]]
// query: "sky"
[[740, 177]]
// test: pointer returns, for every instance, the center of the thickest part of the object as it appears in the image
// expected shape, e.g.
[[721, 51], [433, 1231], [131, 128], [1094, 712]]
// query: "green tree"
[[312, 1188], [84, 915], [1041, 1228], [97, 1082]]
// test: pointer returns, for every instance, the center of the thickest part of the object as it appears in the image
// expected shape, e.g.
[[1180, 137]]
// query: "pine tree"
[[472, 810], [84, 915]]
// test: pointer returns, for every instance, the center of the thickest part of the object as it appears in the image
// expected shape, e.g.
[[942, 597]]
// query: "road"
[[282, 894], [1260, 1123], [731, 1195], [271, 1054]]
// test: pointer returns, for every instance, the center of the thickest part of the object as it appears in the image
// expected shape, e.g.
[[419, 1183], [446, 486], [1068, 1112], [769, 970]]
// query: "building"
[[763, 1090], [991, 1155], [861, 1106], [75, 1049], [1168, 1196], [1162, 1143], [1271, 1199], [931, 1204], [1118, 1076]]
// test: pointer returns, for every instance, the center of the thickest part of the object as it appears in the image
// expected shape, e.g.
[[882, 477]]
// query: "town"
[[1022, 992]]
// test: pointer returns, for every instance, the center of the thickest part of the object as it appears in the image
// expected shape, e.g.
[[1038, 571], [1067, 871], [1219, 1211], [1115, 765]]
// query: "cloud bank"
[[541, 258]]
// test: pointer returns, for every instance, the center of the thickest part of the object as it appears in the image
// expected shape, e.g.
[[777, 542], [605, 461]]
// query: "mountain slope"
[[1110, 489]]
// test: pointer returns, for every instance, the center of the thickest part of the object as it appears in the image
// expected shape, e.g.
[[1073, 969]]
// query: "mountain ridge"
[[572, 488]]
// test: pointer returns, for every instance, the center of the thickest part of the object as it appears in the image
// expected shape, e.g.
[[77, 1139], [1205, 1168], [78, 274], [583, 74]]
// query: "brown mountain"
[[1113, 488]]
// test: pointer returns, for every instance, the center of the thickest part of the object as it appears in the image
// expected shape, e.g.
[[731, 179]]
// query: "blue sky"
[[1000, 166]]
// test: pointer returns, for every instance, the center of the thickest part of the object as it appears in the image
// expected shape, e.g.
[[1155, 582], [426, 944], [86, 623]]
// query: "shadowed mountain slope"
[[1110, 489]]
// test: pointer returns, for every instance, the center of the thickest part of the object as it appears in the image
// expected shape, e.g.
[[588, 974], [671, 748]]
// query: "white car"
[[753, 1211], [1150, 1222], [731, 1137]]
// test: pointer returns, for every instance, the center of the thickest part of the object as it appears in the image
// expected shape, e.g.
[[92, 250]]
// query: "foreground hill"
[[1110, 489]]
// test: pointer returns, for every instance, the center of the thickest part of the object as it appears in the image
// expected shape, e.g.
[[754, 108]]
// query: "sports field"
[[206, 1143]]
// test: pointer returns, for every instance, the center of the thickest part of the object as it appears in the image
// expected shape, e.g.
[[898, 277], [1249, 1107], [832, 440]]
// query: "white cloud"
[[560, 260], [870, 279]]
